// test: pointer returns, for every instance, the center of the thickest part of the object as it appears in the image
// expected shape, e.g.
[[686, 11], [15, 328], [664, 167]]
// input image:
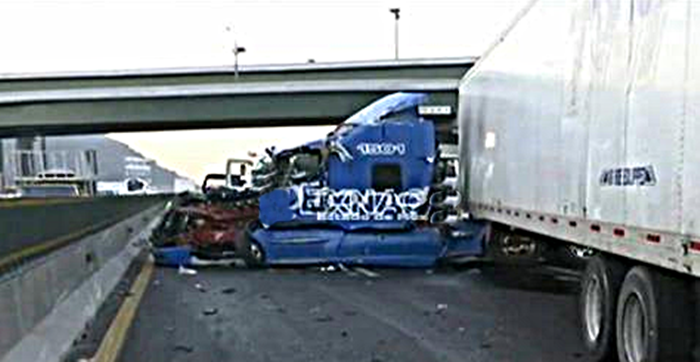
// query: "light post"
[[396, 12], [236, 50]]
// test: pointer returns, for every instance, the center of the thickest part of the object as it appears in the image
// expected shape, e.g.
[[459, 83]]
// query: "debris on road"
[[264, 296], [329, 269], [195, 261], [325, 318], [366, 272], [183, 348], [186, 271], [344, 334], [440, 308], [200, 287], [210, 311], [228, 290], [461, 329], [125, 293]]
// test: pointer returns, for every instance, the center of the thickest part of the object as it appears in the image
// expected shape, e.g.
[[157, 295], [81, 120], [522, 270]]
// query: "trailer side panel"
[[582, 123]]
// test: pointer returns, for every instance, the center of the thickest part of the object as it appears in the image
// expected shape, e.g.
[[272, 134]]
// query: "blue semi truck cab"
[[372, 192]]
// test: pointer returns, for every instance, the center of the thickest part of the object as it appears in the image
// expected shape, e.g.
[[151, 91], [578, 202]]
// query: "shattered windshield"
[[304, 166]]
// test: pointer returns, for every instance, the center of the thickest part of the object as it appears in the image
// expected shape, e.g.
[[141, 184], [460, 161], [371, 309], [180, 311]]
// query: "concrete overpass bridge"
[[191, 98]]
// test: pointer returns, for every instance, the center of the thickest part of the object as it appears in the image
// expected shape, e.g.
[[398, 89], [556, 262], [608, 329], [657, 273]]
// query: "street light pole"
[[396, 12], [236, 50]]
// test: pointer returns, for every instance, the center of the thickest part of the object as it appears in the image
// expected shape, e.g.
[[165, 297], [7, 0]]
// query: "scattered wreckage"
[[206, 228]]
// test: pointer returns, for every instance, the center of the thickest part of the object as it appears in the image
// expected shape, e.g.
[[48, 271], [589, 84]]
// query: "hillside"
[[110, 157]]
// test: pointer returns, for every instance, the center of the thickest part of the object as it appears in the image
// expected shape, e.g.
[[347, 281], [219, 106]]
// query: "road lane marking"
[[366, 272], [113, 341]]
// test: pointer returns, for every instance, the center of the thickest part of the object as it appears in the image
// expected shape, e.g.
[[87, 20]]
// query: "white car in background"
[[10, 195], [49, 191]]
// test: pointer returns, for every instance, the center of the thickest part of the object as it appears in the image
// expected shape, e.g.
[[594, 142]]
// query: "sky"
[[62, 35]]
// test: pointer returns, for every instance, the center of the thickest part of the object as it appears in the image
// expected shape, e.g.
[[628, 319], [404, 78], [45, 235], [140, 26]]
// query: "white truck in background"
[[581, 125]]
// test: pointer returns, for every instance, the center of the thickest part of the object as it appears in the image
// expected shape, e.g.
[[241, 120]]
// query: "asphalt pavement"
[[472, 313]]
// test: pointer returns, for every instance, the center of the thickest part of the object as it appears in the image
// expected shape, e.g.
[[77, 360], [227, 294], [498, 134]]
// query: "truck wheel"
[[654, 319], [600, 286], [253, 253], [256, 256]]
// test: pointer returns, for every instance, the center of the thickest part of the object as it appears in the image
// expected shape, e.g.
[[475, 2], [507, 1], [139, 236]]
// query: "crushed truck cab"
[[372, 192]]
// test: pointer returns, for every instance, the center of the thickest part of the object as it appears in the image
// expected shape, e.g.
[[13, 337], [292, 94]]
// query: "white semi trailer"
[[581, 125]]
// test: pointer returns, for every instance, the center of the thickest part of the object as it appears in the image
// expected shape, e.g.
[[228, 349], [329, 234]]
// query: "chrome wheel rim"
[[633, 329], [593, 308], [256, 252]]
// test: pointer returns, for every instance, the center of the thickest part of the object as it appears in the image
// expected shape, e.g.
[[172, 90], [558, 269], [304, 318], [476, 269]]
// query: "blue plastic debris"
[[173, 256]]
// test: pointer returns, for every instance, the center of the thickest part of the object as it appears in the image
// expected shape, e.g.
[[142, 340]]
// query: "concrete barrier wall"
[[29, 294]]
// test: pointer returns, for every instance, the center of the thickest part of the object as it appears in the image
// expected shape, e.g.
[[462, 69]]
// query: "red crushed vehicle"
[[207, 227]]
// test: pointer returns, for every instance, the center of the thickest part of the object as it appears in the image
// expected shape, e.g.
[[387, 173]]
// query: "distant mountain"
[[110, 158]]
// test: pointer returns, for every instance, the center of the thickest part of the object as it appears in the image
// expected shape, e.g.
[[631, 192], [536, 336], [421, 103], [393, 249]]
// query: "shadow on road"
[[529, 277]]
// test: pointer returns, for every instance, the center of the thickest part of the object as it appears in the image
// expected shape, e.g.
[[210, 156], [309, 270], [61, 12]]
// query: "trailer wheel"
[[653, 317], [600, 286]]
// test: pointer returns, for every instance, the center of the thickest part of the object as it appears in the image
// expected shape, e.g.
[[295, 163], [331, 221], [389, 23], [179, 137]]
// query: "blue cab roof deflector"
[[392, 104]]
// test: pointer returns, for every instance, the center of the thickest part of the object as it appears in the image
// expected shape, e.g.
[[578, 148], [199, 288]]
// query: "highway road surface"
[[474, 313]]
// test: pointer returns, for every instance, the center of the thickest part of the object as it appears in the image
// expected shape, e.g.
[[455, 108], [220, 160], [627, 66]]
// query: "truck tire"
[[600, 286], [253, 254], [654, 317]]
